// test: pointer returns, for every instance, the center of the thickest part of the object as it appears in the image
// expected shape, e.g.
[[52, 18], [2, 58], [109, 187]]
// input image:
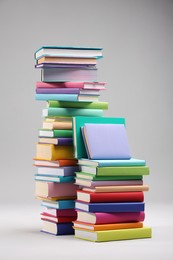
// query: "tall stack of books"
[[70, 88], [110, 204]]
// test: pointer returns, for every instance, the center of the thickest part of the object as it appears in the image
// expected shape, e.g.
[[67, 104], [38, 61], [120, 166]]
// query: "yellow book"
[[113, 235], [52, 152]]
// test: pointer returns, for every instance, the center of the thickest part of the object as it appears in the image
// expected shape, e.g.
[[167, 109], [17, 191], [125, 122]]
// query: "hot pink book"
[[84, 85]]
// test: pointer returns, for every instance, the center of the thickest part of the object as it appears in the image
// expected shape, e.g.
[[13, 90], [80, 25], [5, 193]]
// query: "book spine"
[[57, 91], [73, 104], [116, 207], [65, 229], [108, 218], [74, 112], [62, 97], [111, 171]]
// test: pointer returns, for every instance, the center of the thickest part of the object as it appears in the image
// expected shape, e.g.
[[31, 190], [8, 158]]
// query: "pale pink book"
[[93, 184], [83, 85]]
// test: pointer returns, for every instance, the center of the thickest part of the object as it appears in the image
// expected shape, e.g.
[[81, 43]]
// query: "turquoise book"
[[71, 112], [104, 163]]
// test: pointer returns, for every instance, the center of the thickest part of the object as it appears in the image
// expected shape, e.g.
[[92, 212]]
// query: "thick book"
[[110, 218], [87, 176], [61, 125], [76, 104], [57, 163], [59, 212], [68, 74], [110, 206], [55, 133], [57, 219], [57, 228], [58, 171], [71, 112], [114, 235], [55, 179], [67, 60], [68, 52], [58, 204], [111, 171], [78, 122], [110, 196], [92, 184], [86, 226], [67, 84], [104, 163], [106, 141], [56, 141], [53, 152], [51, 189], [117, 188]]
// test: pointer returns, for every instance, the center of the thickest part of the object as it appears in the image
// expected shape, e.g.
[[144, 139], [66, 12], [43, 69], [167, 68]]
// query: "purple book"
[[58, 229], [58, 65], [56, 141], [106, 141], [57, 91]]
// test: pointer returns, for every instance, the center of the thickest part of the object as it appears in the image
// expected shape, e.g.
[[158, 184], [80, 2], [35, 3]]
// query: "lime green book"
[[76, 104], [87, 176], [78, 122], [114, 171], [114, 235], [55, 133]]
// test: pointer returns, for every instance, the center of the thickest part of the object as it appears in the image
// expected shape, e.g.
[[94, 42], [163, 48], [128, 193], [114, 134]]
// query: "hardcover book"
[[57, 228], [104, 163], [58, 171], [76, 104], [117, 188], [71, 112], [67, 84], [93, 184]]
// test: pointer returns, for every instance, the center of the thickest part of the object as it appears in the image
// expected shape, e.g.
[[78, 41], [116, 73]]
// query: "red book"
[[59, 212], [110, 196], [57, 219]]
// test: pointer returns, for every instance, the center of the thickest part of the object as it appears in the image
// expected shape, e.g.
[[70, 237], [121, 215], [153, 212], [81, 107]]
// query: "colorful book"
[[127, 188], [110, 218], [111, 171], [76, 104], [57, 125], [66, 60], [110, 196], [57, 228], [57, 219], [55, 133], [110, 206], [67, 84], [72, 112], [58, 179], [106, 141], [92, 177], [78, 122], [53, 152], [57, 163], [51, 189], [68, 51], [58, 204], [104, 163], [68, 74], [59, 212], [58, 171], [66, 97], [86, 226], [92, 184], [112, 235], [56, 141]]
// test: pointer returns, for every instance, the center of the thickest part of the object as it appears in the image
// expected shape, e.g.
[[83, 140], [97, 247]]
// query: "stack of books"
[[70, 88], [110, 202]]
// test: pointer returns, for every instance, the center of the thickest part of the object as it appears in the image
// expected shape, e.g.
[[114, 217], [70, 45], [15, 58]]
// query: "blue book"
[[57, 228], [53, 178], [60, 97], [109, 163], [59, 204], [110, 207]]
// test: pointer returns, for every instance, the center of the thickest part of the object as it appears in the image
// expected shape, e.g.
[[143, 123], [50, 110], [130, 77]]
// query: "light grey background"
[[137, 39]]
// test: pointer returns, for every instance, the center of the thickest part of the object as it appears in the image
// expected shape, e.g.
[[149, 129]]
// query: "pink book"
[[92, 184], [84, 85]]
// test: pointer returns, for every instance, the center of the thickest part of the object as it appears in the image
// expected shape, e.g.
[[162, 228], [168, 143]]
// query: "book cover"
[[71, 112], [110, 206], [106, 141], [76, 104], [104, 163], [58, 204], [113, 235], [117, 188], [78, 122], [55, 179]]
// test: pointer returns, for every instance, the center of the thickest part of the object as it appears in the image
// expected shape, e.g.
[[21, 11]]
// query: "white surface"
[[21, 238]]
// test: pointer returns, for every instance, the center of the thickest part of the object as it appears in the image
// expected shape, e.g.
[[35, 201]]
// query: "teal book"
[[61, 97], [105, 163], [59, 204], [55, 133], [88, 176], [78, 122], [51, 178], [71, 112], [76, 104]]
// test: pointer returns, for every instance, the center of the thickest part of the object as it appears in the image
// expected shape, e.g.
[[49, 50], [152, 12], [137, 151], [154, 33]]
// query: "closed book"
[[117, 188], [105, 163], [59, 212], [110, 206], [113, 235], [56, 65], [68, 74], [62, 97], [72, 112], [58, 171], [66, 60], [68, 51], [55, 133], [57, 125], [67, 84], [88, 176], [57, 219], [58, 204], [56, 141], [49, 189], [111, 171], [55, 179], [67, 91], [106, 141], [86, 226], [57, 163], [93, 184], [110, 196], [78, 122], [76, 104], [53, 152], [110, 218], [57, 228]]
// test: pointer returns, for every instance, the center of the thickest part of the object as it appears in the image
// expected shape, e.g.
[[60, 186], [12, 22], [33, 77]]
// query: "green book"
[[114, 171], [76, 104], [61, 112], [55, 133], [113, 235], [78, 122], [87, 176]]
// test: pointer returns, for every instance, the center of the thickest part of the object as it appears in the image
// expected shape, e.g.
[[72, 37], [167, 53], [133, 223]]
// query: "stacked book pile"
[[70, 88], [110, 202]]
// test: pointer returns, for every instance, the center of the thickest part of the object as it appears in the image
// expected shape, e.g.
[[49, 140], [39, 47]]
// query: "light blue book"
[[107, 163], [53, 178], [59, 204], [71, 112], [60, 97]]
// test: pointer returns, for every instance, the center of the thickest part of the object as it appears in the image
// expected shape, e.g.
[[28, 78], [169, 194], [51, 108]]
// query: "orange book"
[[57, 125], [55, 164], [65, 60], [86, 226]]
